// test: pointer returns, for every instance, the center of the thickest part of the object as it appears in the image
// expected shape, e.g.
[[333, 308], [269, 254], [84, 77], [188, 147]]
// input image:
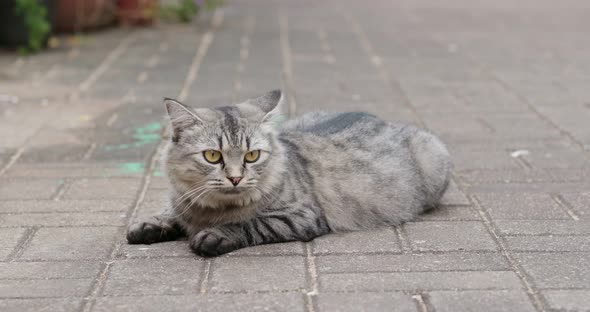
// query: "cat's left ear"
[[270, 103]]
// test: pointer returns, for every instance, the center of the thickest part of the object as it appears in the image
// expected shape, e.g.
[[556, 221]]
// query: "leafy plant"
[[34, 15], [186, 10]]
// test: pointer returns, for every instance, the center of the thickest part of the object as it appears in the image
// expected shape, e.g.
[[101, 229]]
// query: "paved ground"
[[506, 85]]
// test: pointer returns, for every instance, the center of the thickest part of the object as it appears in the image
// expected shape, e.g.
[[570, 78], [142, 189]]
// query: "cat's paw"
[[211, 243], [152, 230]]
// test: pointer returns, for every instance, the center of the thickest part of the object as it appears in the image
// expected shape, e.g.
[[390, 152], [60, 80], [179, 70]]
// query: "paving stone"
[[169, 276], [548, 243], [70, 243], [51, 206], [44, 288], [449, 236], [28, 189], [74, 170], [543, 227], [281, 249], [40, 305], [366, 302], [112, 188], [522, 206], [481, 300], [49, 270], [469, 160], [419, 280], [557, 159], [450, 213], [62, 219], [567, 300], [238, 274], [420, 262], [557, 270], [210, 302], [9, 238], [166, 249], [382, 240]]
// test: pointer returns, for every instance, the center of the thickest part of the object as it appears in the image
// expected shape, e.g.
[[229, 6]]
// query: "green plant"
[[34, 15], [186, 10]]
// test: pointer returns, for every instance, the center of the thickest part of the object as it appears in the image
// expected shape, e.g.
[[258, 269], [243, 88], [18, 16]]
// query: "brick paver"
[[504, 83]]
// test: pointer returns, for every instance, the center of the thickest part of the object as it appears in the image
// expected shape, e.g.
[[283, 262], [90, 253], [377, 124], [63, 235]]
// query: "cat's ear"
[[270, 103], [181, 116]]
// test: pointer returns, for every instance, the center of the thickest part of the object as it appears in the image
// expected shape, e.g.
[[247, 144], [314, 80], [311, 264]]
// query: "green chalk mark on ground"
[[144, 135], [131, 168]]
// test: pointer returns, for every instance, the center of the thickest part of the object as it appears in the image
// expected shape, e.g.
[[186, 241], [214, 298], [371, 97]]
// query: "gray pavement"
[[504, 83]]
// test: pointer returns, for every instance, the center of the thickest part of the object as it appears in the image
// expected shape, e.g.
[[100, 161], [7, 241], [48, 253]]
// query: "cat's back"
[[329, 124]]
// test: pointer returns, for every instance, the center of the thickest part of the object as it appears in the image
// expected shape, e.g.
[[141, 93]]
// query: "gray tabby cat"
[[237, 181]]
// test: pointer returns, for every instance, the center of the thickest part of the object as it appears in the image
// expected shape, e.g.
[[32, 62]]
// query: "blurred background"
[[504, 83]]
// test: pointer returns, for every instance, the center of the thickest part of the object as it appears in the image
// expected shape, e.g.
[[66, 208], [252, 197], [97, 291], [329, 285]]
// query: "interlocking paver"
[[548, 243], [522, 206], [28, 189], [382, 240], [557, 270], [567, 300], [50, 206], [35, 305], [480, 300], [419, 280], [70, 243], [257, 274], [449, 236], [411, 263], [366, 302], [210, 302], [154, 277], [112, 188], [44, 288]]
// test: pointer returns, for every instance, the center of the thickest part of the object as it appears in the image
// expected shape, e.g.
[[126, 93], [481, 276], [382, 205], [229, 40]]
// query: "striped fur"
[[320, 173]]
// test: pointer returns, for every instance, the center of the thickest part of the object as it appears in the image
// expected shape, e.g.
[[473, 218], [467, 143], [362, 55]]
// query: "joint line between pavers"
[[22, 244], [204, 284], [61, 190], [287, 62], [403, 240], [532, 292], [566, 206], [310, 296], [420, 304], [13, 159]]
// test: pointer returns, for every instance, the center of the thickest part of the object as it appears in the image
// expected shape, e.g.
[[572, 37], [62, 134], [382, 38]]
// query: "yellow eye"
[[252, 156], [212, 156]]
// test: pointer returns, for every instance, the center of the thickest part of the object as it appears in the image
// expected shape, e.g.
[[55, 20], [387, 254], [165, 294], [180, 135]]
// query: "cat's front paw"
[[211, 243], [152, 230]]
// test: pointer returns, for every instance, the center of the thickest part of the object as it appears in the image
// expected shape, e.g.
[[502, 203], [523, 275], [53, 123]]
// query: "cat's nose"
[[235, 180]]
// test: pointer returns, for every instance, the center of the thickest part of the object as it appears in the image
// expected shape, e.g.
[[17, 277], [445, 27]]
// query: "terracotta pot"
[[136, 12], [78, 15]]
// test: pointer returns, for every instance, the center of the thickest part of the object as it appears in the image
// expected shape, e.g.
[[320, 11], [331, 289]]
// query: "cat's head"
[[225, 156]]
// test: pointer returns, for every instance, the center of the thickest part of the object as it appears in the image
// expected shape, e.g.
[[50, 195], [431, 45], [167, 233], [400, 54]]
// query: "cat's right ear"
[[180, 116]]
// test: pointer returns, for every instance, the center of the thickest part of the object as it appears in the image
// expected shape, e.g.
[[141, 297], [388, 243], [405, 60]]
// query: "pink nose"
[[235, 180]]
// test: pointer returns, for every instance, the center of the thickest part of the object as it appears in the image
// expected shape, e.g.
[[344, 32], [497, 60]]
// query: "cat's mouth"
[[232, 190]]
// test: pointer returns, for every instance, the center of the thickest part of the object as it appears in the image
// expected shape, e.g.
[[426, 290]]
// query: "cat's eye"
[[252, 156], [212, 156]]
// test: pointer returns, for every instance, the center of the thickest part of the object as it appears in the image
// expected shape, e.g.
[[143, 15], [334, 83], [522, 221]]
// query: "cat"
[[239, 177]]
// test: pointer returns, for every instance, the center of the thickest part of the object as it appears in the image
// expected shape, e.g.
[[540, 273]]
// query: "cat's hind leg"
[[154, 229]]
